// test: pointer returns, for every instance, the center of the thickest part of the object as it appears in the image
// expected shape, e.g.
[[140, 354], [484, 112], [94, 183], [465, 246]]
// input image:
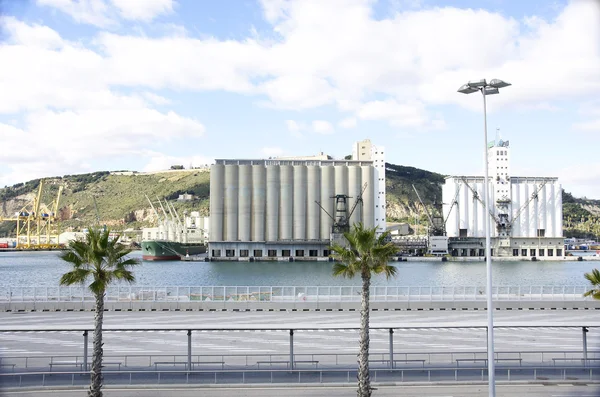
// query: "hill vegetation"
[[120, 198]]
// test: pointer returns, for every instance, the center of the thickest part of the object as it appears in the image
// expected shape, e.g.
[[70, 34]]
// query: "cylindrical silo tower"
[[543, 204], [515, 205], [217, 199], [558, 232], [231, 202], [299, 205], [286, 201], [527, 211], [327, 188], [465, 197], [272, 205], [313, 194], [259, 193], [551, 211], [368, 215], [244, 202], [354, 190], [457, 208], [341, 188], [448, 193]]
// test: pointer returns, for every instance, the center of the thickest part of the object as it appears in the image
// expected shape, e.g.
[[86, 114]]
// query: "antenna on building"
[[498, 136]]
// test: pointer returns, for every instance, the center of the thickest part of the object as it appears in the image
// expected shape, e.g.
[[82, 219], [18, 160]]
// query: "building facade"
[[285, 208], [525, 212], [366, 151]]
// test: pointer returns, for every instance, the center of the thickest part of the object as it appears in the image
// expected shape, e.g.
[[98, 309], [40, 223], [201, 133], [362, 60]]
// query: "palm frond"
[[76, 276], [342, 269], [593, 277]]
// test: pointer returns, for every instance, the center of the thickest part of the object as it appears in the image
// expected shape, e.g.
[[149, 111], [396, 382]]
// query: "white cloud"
[[394, 69], [157, 99], [295, 128], [272, 151], [60, 142], [105, 13], [348, 123], [408, 114], [581, 183], [322, 127], [309, 62], [93, 12], [37, 36], [593, 125], [143, 10]]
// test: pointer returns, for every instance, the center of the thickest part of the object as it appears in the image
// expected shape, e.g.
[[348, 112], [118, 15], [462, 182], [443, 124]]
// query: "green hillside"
[[120, 198]]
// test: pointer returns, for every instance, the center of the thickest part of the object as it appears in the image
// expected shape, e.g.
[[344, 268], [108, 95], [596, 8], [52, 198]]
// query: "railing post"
[[85, 350], [291, 349], [584, 331], [189, 357], [391, 348]]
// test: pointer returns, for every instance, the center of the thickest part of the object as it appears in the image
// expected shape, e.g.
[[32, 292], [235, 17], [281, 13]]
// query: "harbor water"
[[45, 268]]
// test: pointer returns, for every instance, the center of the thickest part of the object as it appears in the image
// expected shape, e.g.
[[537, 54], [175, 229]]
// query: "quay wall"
[[299, 306]]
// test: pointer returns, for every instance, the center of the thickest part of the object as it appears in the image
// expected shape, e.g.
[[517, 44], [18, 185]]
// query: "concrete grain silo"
[[217, 201], [267, 209], [244, 202], [286, 202], [354, 191], [299, 204], [313, 194], [327, 191], [259, 200], [272, 205], [231, 202]]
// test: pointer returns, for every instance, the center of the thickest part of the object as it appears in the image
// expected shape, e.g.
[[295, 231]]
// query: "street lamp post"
[[487, 89]]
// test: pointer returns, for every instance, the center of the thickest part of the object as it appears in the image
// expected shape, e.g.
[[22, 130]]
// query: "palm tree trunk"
[[96, 369], [364, 382]]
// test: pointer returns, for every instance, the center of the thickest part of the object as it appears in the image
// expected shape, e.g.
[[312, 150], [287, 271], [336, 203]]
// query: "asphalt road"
[[305, 342]]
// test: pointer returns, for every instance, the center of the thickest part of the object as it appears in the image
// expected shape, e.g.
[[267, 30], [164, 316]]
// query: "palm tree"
[[98, 260], [364, 254], [594, 278]]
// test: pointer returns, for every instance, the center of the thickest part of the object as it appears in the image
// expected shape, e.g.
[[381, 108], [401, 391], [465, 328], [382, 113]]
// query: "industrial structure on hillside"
[[525, 212], [293, 208]]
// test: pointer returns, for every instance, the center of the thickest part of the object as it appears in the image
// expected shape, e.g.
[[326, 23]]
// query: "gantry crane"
[[341, 220], [38, 224]]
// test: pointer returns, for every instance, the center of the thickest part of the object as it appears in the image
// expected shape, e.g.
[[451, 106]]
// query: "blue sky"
[[131, 84]]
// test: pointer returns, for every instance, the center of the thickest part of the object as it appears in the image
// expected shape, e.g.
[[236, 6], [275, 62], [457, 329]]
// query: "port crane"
[[38, 224], [437, 241], [341, 220], [436, 223]]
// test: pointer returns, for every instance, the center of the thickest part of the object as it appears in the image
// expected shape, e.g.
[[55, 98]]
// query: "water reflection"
[[45, 269]]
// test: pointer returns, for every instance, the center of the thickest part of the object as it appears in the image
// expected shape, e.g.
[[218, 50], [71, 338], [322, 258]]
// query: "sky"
[[90, 85]]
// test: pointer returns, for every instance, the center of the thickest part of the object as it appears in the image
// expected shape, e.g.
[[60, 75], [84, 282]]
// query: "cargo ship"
[[174, 238], [164, 250]]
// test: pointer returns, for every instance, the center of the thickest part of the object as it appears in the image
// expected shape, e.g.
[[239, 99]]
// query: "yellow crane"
[[38, 225]]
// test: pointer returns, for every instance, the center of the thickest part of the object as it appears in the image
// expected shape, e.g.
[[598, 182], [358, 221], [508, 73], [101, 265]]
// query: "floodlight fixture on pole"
[[486, 89]]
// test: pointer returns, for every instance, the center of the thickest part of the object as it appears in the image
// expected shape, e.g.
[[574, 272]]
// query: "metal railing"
[[292, 293], [540, 358], [302, 376]]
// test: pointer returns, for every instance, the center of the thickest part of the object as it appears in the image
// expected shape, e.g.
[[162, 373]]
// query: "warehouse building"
[[285, 208], [525, 214]]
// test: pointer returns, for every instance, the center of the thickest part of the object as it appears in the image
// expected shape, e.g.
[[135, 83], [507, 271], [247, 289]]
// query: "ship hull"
[[163, 250]]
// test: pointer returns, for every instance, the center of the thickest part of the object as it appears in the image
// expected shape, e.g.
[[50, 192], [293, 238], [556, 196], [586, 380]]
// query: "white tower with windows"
[[366, 151]]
